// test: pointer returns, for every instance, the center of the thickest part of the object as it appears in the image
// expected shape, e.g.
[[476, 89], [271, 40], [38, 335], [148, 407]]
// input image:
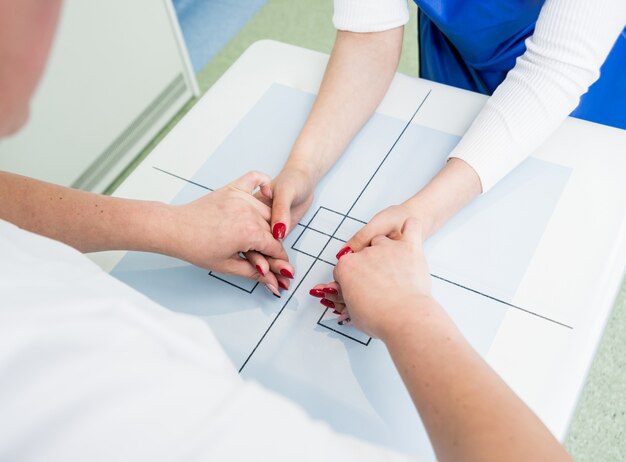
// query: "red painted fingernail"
[[260, 270], [279, 231], [316, 293], [344, 251], [327, 303], [282, 285], [336, 312], [330, 290], [286, 273]]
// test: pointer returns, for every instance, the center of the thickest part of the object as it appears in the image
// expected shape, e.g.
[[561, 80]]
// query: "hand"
[[291, 194], [386, 282], [212, 231], [388, 222]]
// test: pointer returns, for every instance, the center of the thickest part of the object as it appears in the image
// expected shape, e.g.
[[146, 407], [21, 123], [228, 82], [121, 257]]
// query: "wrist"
[[416, 207], [150, 227], [418, 314], [307, 171]]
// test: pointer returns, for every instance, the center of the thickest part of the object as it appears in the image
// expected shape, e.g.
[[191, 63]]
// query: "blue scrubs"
[[472, 44]]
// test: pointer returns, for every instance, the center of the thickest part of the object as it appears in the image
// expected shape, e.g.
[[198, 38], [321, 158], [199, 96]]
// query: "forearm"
[[357, 77], [469, 412], [86, 221]]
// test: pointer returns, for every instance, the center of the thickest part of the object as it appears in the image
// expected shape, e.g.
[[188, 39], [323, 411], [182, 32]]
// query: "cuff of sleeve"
[[370, 15]]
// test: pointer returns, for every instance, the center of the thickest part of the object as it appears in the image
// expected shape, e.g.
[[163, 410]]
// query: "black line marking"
[[503, 302], [280, 311], [234, 285], [336, 229], [313, 256], [319, 323], [305, 227], [343, 214], [184, 179]]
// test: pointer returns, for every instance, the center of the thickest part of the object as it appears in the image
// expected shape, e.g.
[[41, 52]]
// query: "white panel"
[[110, 60]]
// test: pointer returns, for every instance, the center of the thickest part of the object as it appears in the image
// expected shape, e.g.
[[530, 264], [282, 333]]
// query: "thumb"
[[281, 213], [250, 181], [412, 232]]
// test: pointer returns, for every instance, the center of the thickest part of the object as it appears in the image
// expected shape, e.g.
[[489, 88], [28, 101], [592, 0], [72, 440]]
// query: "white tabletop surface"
[[575, 271]]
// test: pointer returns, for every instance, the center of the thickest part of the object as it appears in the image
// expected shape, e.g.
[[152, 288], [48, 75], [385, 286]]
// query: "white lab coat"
[[92, 370]]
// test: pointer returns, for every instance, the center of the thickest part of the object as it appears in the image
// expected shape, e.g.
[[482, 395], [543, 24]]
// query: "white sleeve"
[[571, 41], [370, 15]]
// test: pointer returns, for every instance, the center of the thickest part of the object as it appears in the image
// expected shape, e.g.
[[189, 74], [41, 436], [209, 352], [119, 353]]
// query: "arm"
[[358, 74], [469, 412], [209, 232], [572, 39]]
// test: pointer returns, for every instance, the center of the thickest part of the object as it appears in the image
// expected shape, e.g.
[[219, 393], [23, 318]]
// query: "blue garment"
[[472, 44]]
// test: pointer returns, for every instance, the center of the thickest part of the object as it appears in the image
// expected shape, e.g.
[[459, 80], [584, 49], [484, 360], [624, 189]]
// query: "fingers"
[[380, 240], [265, 243], [251, 181], [244, 268], [281, 213], [363, 238], [282, 267], [330, 291], [412, 232], [282, 270]]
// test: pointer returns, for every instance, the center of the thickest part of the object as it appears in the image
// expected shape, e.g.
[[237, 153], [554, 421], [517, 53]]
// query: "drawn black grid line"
[[319, 323], [233, 284], [456, 284], [307, 226], [186, 180], [334, 232], [503, 302]]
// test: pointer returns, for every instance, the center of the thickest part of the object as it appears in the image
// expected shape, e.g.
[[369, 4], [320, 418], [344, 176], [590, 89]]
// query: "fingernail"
[[272, 290], [344, 251], [330, 290], [336, 312], [282, 285], [260, 270], [286, 273], [316, 293], [326, 302], [279, 231], [345, 321]]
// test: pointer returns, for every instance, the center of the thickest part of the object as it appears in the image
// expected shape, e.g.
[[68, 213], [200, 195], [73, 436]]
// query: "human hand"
[[388, 222], [212, 231], [290, 195], [385, 283]]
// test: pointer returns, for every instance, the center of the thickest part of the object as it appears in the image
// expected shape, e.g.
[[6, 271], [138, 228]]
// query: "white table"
[[576, 268]]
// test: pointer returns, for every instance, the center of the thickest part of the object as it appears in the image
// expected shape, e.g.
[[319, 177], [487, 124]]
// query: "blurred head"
[[26, 31]]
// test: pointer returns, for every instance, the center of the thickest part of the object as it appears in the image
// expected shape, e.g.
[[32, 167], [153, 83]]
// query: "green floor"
[[598, 430]]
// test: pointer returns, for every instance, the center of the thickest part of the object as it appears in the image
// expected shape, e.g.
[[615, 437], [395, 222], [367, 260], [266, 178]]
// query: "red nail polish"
[[260, 270], [344, 251], [279, 231], [316, 293], [330, 291], [286, 273], [282, 285], [327, 303], [336, 312]]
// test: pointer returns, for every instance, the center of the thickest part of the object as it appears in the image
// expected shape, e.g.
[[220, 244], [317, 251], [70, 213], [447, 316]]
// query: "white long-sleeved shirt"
[[571, 41]]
